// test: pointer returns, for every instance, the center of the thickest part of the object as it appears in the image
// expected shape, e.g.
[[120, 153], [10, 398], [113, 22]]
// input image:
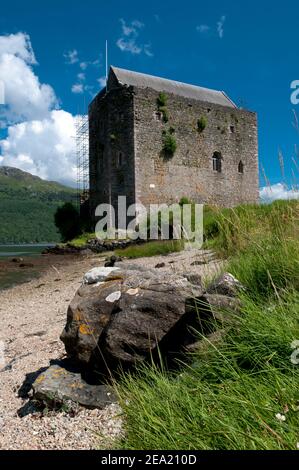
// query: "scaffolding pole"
[[82, 152]]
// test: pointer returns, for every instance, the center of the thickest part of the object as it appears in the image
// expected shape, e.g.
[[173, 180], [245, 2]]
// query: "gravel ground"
[[32, 318], [202, 262]]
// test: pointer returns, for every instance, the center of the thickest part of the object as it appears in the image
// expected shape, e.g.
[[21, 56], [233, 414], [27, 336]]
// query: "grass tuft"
[[81, 240]]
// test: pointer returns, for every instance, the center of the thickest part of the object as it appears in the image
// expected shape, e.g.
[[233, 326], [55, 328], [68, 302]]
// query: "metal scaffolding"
[[82, 152]]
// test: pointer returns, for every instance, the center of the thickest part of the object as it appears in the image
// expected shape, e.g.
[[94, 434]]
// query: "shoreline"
[[18, 270]]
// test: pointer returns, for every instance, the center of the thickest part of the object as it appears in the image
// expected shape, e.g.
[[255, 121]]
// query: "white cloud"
[[45, 148], [2, 93], [219, 30], [132, 29], [71, 57], [147, 50], [25, 96], [81, 76], [40, 138], [220, 26], [128, 46], [203, 28], [95, 63], [77, 88], [128, 40], [18, 45], [102, 81], [277, 191]]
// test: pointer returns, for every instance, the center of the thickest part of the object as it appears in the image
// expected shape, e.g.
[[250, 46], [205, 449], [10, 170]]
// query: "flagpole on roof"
[[106, 64]]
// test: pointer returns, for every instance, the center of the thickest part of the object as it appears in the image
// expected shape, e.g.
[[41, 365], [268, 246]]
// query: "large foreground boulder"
[[123, 315], [127, 315]]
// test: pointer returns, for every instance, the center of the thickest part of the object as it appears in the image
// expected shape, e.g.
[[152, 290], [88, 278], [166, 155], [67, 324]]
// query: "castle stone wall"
[[126, 157], [111, 148], [230, 131]]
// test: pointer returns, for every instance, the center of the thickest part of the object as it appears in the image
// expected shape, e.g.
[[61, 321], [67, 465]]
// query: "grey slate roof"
[[126, 77]]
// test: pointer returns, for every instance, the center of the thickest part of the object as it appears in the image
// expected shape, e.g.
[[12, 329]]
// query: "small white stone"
[[132, 291], [113, 297], [96, 275]]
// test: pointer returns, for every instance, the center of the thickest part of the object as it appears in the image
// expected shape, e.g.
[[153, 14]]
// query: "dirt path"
[[32, 318]]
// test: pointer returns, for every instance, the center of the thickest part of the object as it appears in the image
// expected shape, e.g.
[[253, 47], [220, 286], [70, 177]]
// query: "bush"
[[81, 240], [165, 114], [67, 221], [162, 100], [202, 124], [169, 144]]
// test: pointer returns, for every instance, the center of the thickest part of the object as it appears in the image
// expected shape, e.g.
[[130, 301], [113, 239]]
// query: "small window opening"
[[120, 159], [217, 162], [241, 167], [232, 129], [158, 116]]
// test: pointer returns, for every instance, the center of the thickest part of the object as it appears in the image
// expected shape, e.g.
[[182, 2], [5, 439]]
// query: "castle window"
[[241, 167], [120, 159], [217, 162], [232, 129], [158, 116]]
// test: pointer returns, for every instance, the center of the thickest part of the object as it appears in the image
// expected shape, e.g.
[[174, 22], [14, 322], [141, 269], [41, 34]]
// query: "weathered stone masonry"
[[126, 155]]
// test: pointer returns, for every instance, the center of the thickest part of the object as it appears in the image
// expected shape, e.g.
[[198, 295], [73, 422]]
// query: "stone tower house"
[[216, 155]]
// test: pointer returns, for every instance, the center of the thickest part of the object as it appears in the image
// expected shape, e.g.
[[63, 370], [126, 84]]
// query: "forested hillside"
[[27, 207]]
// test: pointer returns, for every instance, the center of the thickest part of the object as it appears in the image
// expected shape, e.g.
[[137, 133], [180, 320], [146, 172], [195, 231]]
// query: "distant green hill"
[[27, 207]]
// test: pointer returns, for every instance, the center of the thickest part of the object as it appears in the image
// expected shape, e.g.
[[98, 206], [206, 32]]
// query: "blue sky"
[[249, 50]]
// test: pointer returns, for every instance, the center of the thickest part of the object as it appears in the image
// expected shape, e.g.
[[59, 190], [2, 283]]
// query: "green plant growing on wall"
[[202, 124], [169, 143], [162, 106], [162, 99]]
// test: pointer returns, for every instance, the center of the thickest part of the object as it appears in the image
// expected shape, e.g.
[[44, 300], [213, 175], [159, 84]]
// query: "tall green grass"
[[231, 395], [261, 244]]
